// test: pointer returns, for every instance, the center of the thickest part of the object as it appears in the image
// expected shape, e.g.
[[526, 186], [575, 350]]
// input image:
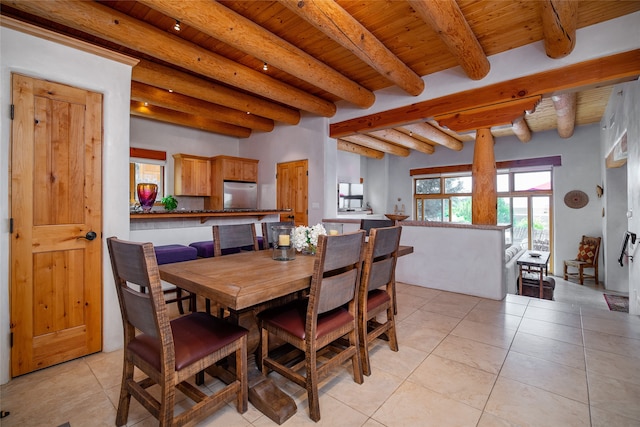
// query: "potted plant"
[[170, 203]]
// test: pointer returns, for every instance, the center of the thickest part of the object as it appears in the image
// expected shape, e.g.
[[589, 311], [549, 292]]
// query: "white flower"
[[305, 237]]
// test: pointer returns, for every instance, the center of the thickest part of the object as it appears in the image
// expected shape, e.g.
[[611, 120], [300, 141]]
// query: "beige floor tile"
[[107, 367], [549, 349], [372, 423], [551, 330], [528, 406], [495, 318], [518, 299], [613, 365], [408, 301], [555, 305], [559, 379], [226, 416], [603, 418], [400, 363], [422, 338], [418, 291], [614, 395], [503, 306], [612, 343], [625, 326], [431, 320], [413, 405], [472, 353], [490, 420], [553, 316], [368, 396], [485, 333], [450, 304], [456, 380], [606, 313]]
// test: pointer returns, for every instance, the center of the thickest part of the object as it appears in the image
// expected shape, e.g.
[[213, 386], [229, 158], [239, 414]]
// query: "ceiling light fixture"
[[265, 67], [177, 26]]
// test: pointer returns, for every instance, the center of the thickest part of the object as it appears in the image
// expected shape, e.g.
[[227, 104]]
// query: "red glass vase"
[[147, 193]]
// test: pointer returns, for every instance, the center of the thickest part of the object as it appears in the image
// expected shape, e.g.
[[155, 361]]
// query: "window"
[[146, 166], [445, 199]]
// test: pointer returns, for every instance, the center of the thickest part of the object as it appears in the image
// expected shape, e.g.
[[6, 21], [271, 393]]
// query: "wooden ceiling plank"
[[521, 129], [359, 149], [167, 78], [435, 135], [178, 102], [376, 144], [331, 19], [566, 107], [183, 119], [104, 22], [225, 25], [446, 18], [602, 71], [402, 139], [559, 23]]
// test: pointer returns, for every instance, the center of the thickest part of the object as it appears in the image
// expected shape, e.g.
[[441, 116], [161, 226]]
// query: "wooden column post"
[[485, 199]]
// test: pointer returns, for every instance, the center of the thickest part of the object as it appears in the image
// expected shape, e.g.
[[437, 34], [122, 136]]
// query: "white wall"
[[39, 58]]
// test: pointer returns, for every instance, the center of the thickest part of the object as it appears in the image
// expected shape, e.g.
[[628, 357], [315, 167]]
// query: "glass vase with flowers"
[[305, 239]]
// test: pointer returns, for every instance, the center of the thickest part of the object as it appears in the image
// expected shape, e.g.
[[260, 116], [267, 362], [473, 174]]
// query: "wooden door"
[[56, 237], [292, 185]]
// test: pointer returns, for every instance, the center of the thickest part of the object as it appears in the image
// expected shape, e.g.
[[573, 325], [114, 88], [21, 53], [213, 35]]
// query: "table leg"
[[541, 283], [520, 279]]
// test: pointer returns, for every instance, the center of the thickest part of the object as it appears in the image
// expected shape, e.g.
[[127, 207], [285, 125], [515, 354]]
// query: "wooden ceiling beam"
[[559, 23], [109, 24], [427, 131], [178, 102], [566, 105], [402, 139], [446, 18], [521, 129], [331, 19], [183, 119], [602, 71], [359, 149], [167, 78], [376, 144], [224, 24]]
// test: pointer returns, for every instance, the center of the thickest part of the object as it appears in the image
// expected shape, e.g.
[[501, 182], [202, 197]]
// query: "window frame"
[[146, 157]]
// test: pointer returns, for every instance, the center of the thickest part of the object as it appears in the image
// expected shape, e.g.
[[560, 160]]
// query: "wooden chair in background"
[[588, 254], [376, 295], [267, 238], [316, 323], [234, 236], [169, 352], [368, 224]]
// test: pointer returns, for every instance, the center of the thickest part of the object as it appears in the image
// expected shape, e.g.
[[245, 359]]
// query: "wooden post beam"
[[102, 21], [402, 139], [376, 144], [432, 133], [222, 23], [485, 197], [521, 129], [359, 149], [566, 106], [446, 18], [559, 23], [197, 107], [167, 78], [331, 19], [183, 119]]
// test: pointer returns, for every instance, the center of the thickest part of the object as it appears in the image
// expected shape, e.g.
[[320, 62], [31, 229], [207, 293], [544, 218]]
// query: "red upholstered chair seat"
[[292, 318]]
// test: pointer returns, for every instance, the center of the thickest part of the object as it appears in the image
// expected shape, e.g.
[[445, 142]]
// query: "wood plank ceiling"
[[237, 67]]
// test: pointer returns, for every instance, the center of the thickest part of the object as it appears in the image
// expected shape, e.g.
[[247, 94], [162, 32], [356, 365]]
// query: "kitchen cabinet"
[[192, 175], [227, 168]]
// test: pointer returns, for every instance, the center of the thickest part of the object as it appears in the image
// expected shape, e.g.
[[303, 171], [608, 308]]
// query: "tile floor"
[[463, 361]]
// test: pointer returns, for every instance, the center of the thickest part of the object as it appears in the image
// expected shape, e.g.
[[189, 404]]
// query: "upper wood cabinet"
[[226, 168], [192, 175]]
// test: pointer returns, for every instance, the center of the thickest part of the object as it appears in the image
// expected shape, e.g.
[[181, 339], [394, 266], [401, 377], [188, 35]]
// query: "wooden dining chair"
[[368, 224], [588, 254], [234, 236], [313, 325], [376, 295], [169, 352], [267, 238]]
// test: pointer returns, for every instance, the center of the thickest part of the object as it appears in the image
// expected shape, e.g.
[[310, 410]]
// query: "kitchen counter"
[[205, 215]]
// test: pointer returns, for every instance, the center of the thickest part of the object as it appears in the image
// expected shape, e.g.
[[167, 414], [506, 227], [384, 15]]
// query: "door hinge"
[[10, 225], [12, 111], [10, 339]]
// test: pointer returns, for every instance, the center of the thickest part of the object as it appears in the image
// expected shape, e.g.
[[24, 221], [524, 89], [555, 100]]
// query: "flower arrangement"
[[306, 238]]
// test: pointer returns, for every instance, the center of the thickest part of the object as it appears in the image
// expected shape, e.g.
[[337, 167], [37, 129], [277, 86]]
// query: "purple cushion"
[[204, 249], [167, 254]]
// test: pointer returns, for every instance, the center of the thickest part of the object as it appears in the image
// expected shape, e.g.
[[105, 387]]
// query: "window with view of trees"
[[146, 166]]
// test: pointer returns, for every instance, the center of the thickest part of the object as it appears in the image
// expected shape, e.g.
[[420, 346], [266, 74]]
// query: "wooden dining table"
[[247, 283]]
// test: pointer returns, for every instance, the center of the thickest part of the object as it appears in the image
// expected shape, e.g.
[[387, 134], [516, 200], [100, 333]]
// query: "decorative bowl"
[[396, 217]]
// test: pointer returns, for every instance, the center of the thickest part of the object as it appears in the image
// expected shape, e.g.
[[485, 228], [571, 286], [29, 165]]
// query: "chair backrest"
[[368, 224], [267, 238], [381, 257], [139, 290], [336, 273], [234, 236], [595, 242]]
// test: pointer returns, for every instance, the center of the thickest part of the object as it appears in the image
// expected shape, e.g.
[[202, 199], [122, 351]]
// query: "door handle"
[[89, 236]]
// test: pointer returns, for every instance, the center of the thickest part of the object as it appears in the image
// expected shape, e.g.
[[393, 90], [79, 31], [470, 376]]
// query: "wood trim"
[[32, 30], [600, 71], [144, 153], [507, 164]]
